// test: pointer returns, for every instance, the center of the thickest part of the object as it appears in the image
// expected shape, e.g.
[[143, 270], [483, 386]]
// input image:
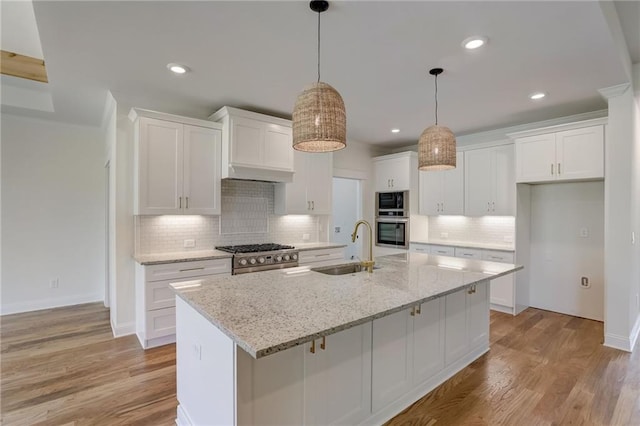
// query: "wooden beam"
[[23, 66]]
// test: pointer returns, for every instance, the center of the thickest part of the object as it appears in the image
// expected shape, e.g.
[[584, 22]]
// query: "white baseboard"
[[624, 343], [503, 309], [123, 329], [182, 418], [58, 302], [635, 333]]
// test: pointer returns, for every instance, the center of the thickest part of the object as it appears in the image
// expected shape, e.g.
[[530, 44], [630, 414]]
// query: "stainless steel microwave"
[[392, 204], [392, 232]]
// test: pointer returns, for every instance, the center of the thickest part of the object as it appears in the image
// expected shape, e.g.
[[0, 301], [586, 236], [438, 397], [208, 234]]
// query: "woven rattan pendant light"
[[319, 117], [437, 144]]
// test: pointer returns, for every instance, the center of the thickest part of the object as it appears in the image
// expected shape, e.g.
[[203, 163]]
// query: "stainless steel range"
[[261, 257]]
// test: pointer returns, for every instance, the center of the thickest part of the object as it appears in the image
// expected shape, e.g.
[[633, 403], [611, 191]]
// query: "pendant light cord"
[[318, 46], [436, 99]]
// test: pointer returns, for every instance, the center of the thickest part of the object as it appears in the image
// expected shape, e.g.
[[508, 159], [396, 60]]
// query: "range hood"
[[255, 146]]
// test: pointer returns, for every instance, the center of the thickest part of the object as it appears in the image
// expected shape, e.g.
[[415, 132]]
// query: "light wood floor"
[[63, 367]]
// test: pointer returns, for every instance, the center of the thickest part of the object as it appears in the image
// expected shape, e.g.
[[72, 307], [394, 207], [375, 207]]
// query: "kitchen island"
[[300, 347]]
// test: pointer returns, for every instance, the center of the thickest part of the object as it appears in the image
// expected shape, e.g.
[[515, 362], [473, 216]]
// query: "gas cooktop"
[[254, 248]]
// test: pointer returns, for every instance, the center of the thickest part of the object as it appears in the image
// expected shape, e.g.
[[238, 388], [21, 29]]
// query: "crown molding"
[[614, 91], [559, 127]]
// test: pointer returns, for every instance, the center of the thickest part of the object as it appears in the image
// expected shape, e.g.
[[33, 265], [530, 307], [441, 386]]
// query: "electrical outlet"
[[584, 283], [189, 243], [305, 237], [584, 232], [444, 235], [54, 283]]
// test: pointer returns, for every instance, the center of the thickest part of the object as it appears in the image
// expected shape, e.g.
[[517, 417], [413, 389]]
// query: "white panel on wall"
[[567, 243], [53, 214]]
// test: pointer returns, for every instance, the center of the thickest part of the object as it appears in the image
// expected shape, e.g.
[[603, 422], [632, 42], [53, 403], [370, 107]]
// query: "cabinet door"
[[535, 158], [278, 148], [392, 358], [431, 197], [580, 153], [453, 188], [504, 181], [248, 142], [456, 327], [478, 316], [291, 198], [338, 378], [478, 185], [420, 248], [202, 150], [160, 163], [319, 183], [393, 174], [428, 340]]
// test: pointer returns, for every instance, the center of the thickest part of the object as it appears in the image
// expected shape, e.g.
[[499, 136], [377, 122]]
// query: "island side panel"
[[205, 370]]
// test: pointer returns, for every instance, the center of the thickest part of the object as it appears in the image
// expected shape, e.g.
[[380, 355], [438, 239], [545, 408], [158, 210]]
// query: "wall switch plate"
[[444, 235], [54, 283], [189, 243], [584, 232], [305, 237]]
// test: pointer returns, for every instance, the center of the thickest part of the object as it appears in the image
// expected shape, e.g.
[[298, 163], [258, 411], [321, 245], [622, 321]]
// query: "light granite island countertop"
[[296, 346], [275, 310]]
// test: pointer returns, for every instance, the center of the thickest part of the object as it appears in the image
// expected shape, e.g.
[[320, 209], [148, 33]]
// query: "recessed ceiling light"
[[395, 130], [474, 42], [537, 95], [177, 68]]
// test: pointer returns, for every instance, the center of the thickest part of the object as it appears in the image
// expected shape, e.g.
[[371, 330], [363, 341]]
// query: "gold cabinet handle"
[[187, 199], [559, 169], [493, 206], [551, 169], [313, 205], [488, 206], [419, 309], [323, 345], [179, 202], [313, 347], [413, 311]]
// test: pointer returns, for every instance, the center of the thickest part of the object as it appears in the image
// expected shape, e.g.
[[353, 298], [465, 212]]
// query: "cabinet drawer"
[[468, 253], [161, 322], [420, 248], [314, 256], [158, 294], [442, 250], [179, 270], [497, 256]]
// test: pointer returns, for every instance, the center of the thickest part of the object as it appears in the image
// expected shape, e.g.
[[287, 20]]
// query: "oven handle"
[[392, 220]]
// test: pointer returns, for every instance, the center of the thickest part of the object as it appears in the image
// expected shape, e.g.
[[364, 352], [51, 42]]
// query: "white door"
[[319, 171], [160, 167], [347, 208], [431, 198], [428, 340], [453, 188], [478, 316], [202, 150], [478, 187], [535, 158], [580, 153], [392, 361], [278, 148], [456, 332]]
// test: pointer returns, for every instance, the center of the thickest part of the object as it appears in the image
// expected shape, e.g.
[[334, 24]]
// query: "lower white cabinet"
[[320, 257], [155, 301], [420, 248], [467, 321], [502, 288]]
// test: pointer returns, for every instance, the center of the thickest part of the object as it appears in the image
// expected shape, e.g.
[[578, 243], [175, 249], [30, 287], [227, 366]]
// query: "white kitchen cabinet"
[[467, 321], [395, 172], [441, 250], [490, 186], [177, 165], [468, 253], [310, 192], [502, 288], [420, 248], [255, 146], [442, 192], [428, 340], [337, 389], [155, 301], [321, 257], [567, 155]]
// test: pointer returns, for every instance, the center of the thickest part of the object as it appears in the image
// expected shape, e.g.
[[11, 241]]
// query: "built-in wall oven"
[[392, 232]]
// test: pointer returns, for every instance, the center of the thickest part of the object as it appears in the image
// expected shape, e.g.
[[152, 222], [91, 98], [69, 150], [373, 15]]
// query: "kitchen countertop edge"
[[177, 257], [462, 244]]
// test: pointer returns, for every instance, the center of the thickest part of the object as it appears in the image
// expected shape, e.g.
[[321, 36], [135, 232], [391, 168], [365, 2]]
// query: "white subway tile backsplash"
[[493, 230], [247, 217]]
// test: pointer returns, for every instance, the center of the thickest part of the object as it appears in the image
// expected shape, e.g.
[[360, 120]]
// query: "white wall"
[[560, 256], [52, 214]]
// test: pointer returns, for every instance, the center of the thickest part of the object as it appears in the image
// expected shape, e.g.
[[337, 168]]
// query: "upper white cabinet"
[[442, 192], [490, 186], [573, 154], [395, 172], [310, 192], [255, 146], [177, 164]]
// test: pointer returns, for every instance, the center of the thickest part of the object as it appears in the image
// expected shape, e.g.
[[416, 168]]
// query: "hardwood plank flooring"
[[63, 367]]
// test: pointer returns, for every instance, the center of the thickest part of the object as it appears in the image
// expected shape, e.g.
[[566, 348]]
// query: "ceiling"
[[260, 55]]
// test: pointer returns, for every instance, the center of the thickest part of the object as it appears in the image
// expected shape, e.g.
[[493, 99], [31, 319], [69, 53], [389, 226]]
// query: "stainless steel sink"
[[349, 268]]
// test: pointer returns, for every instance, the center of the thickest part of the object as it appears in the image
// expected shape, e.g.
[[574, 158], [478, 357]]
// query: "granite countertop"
[[505, 247], [271, 311], [316, 246], [182, 256]]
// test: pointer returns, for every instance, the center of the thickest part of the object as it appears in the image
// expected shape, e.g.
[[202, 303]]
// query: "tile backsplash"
[[247, 217], [494, 230]]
